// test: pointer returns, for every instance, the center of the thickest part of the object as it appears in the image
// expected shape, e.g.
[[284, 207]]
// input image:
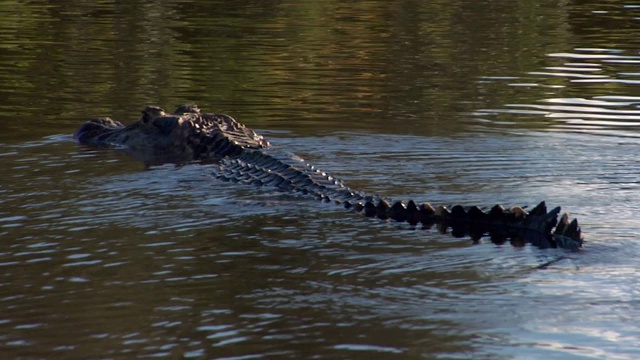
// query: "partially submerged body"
[[244, 156], [187, 135]]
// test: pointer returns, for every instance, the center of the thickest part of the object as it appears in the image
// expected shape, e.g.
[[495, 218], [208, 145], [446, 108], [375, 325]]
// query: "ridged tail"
[[292, 174], [286, 172]]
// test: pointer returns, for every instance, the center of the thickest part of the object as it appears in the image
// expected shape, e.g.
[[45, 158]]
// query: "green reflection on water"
[[305, 66]]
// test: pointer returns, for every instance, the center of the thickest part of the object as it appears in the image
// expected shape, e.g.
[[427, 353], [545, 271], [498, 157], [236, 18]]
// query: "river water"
[[471, 102]]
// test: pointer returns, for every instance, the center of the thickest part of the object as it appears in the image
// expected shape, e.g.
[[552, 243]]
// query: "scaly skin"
[[246, 157], [181, 137]]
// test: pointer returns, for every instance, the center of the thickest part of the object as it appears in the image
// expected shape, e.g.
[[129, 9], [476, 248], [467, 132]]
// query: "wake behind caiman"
[[241, 155]]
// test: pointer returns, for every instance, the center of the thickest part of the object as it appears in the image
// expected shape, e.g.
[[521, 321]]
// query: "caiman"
[[241, 155]]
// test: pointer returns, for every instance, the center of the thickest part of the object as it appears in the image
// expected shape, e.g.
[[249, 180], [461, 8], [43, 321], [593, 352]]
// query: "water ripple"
[[102, 258], [600, 114]]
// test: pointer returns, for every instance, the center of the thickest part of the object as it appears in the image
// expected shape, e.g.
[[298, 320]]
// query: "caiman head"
[[103, 131], [186, 135]]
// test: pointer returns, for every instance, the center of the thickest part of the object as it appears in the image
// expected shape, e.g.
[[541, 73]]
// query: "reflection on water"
[[611, 114], [446, 101]]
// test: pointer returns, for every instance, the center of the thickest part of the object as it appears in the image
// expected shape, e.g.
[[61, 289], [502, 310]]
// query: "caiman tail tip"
[[565, 234], [568, 234]]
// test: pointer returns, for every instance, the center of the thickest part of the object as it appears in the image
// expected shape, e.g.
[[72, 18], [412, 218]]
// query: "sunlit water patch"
[[599, 81]]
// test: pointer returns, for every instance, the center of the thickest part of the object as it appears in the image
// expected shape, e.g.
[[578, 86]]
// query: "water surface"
[[479, 102]]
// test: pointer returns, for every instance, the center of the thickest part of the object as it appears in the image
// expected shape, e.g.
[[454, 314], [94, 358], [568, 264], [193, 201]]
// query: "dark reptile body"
[[181, 137], [243, 156]]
